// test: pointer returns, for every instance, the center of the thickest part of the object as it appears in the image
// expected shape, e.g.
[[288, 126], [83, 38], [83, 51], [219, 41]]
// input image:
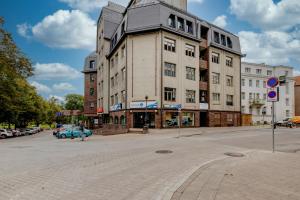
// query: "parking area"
[[128, 166]]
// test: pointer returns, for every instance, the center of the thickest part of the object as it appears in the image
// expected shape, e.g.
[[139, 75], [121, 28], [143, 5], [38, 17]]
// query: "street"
[[128, 166]]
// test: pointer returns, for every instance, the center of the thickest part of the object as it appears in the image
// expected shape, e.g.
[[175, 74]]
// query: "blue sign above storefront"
[[116, 107], [142, 104], [172, 106]]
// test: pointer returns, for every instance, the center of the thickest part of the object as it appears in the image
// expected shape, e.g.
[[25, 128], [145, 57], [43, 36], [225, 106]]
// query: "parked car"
[[73, 133], [5, 133], [62, 127], [15, 132], [29, 131], [285, 122]]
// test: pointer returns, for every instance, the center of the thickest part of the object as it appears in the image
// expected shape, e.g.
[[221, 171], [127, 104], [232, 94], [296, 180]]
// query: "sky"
[[58, 34]]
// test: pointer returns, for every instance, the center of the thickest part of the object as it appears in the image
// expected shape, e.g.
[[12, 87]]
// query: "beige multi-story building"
[[159, 65]]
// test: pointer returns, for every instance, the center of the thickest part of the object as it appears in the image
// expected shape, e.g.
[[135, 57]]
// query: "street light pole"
[[146, 98]]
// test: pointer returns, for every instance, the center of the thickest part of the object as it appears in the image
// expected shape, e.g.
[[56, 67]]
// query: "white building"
[[254, 92]]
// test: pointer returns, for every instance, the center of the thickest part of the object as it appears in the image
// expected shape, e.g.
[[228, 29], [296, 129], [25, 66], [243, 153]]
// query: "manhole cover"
[[234, 154], [163, 151]]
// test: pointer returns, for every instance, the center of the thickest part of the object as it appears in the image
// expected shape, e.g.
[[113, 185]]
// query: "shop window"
[[116, 121], [171, 119], [188, 119], [123, 120]]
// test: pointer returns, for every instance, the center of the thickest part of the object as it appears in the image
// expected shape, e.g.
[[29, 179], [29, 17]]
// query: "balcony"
[[203, 64], [203, 85], [257, 102], [203, 43]]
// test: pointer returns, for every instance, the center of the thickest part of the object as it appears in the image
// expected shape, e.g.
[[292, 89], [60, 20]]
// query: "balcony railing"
[[203, 85], [203, 64], [257, 102]]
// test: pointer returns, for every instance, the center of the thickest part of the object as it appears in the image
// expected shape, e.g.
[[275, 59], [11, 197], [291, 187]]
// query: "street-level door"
[[139, 119], [203, 119]]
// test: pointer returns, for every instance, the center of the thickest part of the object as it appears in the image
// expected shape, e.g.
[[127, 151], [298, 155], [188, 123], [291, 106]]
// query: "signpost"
[[273, 96]]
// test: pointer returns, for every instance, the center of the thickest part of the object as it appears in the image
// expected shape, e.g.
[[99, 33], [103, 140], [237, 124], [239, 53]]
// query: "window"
[[215, 57], [229, 100], [243, 82], [248, 70], [287, 101], [170, 94], [189, 27], [265, 84], [123, 28], [190, 96], [123, 51], [265, 96], [257, 83], [223, 40], [229, 81], [216, 37], [228, 61], [229, 42], [287, 89], [171, 21], [243, 109], [92, 91], [92, 78], [92, 105], [216, 98], [243, 95], [257, 96], [286, 73], [190, 73], [116, 59], [250, 96], [216, 78], [169, 45], [269, 72], [112, 63], [287, 113], [170, 69], [189, 50], [123, 73], [112, 83], [180, 24], [112, 100], [258, 71], [116, 79], [116, 98], [250, 83], [123, 96], [102, 86], [92, 64]]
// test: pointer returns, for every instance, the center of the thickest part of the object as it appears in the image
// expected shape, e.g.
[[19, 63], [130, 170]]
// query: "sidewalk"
[[257, 175]]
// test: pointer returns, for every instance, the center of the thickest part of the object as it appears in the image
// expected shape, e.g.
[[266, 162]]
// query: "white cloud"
[[220, 21], [54, 71], [272, 47], [63, 87], [41, 88], [296, 72], [195, 1], [59, 98], [91, 5], [64, 29], [266, 14]]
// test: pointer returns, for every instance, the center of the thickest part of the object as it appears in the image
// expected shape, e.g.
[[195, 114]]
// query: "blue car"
[[73, 133]]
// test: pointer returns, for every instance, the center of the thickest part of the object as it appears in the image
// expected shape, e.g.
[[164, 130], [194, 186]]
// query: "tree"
[[74, 102]]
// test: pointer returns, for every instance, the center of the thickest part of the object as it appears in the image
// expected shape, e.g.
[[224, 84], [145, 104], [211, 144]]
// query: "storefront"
[[188, 119], [171, 119], [143, 113]]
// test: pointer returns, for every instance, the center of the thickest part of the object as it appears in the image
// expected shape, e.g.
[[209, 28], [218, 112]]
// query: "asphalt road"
[[124, 166]]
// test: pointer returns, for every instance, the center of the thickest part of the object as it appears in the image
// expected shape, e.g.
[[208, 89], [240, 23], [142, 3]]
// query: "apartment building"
[[297, 96], [90, 89], [254, 92], [160, 65]]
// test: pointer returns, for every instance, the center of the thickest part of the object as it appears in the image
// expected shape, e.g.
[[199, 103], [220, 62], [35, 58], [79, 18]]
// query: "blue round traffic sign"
[[272, 82], [272, 94]]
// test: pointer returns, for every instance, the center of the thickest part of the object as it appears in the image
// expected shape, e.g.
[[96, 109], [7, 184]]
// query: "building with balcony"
[[159, 65], [254, 92]]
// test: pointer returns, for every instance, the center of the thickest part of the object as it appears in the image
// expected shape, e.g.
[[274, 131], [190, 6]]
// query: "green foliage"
[[74, 102]]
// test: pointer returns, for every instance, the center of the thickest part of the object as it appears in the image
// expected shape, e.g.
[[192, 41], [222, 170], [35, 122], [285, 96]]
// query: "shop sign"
[[204, 106], [142, 104], [173, 106], [116, 107]]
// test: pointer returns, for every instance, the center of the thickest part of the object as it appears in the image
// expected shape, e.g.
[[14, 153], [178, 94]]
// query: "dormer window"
[[123, 28], [223, 40], [92, 64], [171, 21], [189, 27], [180, 24], [229, 42], [216, 37]]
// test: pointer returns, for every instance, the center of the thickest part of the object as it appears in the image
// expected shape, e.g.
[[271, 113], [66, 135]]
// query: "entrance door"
[[203, 119], [139, 119]]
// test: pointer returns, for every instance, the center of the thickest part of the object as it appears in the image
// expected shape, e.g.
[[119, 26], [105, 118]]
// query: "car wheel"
[[63, 136], [2, 136]]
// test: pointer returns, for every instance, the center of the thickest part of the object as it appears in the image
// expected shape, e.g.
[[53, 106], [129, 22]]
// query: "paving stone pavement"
[[114, 167]]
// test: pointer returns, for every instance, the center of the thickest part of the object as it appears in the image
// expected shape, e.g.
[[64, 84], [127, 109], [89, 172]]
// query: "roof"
[[297, 81]]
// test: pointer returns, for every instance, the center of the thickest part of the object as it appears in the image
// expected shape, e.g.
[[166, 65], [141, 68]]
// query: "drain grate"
[[233, 154], [163, 151]]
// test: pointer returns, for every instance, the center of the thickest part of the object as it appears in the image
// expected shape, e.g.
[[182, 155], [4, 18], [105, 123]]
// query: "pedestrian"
[[81, 131]]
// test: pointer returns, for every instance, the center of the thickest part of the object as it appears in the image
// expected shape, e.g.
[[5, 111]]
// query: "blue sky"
[[58, 34]]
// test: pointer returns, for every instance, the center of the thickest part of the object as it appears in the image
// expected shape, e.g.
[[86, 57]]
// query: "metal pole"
[[273, 126]]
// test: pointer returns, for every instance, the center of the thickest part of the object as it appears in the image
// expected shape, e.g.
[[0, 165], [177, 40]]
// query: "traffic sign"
[[273, 95], [272, 82]]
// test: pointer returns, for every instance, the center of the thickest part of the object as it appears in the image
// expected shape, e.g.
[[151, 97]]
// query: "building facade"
[[90, 89], [254, 92], [159, 65], [297, 96]]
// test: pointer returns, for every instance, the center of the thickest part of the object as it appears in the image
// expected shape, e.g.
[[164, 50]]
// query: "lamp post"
[[146, 98]]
